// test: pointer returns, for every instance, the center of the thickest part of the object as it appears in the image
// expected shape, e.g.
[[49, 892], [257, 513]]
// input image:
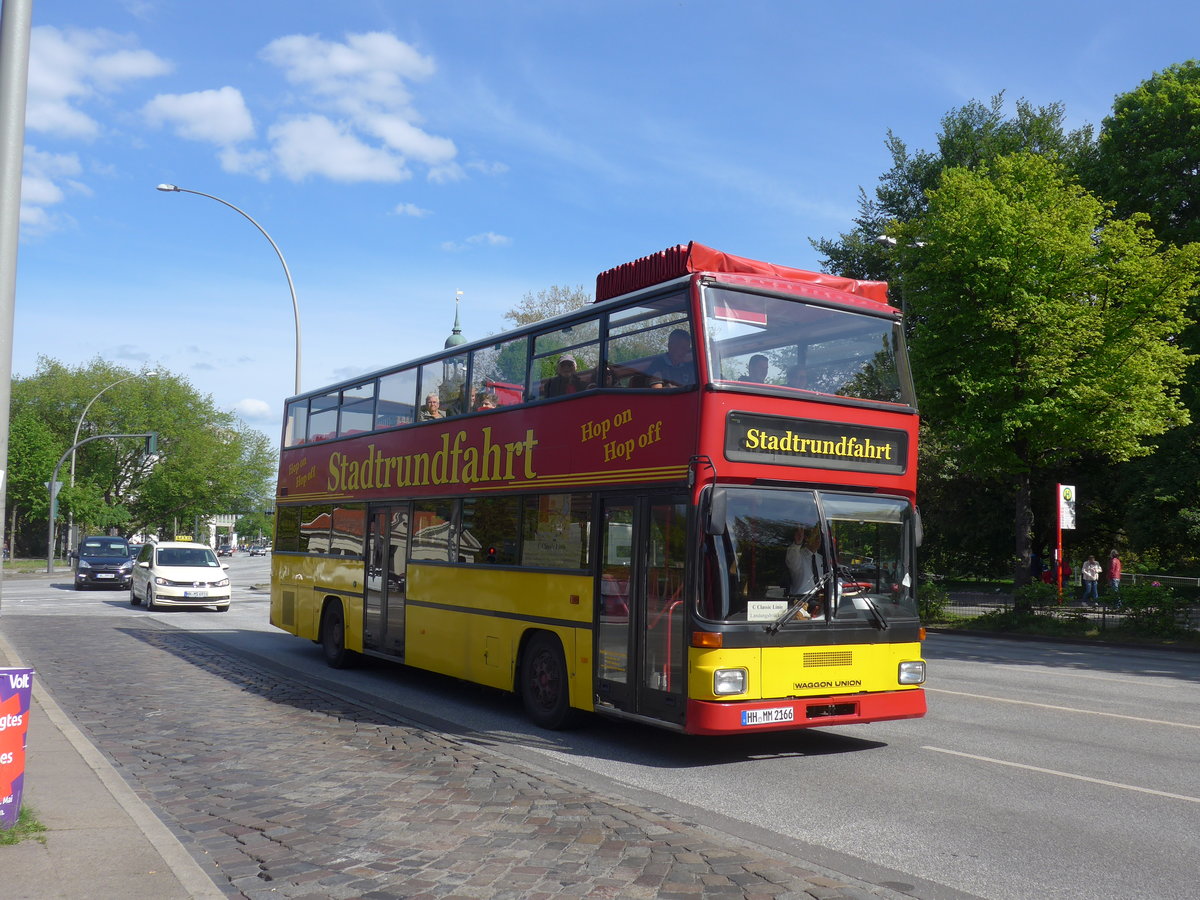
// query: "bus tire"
[[545, 690], [333, 638]]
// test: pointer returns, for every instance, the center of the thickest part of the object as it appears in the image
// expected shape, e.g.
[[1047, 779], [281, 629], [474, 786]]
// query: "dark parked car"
[[103, 562]]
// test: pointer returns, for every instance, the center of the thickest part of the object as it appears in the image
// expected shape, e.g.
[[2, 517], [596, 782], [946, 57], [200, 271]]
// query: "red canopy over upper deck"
[[682, 259]]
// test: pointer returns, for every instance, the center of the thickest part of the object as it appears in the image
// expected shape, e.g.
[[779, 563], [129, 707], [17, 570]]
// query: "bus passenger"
[[566, 381], [756, 371], [432, 408], [485, 400], [806, 565], [675, 367]]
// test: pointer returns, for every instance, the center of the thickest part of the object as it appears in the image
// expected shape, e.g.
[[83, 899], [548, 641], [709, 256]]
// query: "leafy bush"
[[933, 601], [1153, 610], [1032, 595]]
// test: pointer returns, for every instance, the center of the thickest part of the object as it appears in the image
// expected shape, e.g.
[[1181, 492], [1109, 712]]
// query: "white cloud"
[[253, 410], [362, 109], [219, 117], [67, 69], [410, 209], [368, 69], [488, 238], [314, 145], [44, 183]]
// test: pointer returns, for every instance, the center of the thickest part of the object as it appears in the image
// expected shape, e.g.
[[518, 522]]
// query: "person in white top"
[[804, 560], [1091, 580]]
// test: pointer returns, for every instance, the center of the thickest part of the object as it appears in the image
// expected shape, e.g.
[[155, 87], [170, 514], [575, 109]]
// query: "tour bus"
[[690, 504]]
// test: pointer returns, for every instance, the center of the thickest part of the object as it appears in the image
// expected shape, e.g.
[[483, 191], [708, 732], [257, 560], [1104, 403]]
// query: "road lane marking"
[[1090, 712], [1116, 784], [1057, 672]]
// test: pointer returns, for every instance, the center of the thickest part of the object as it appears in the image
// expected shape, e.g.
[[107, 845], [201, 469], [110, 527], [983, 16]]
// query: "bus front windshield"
[[820, 557], [786, 342]]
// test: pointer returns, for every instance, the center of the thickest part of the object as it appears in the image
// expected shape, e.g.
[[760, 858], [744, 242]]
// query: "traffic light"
[[152, 443]]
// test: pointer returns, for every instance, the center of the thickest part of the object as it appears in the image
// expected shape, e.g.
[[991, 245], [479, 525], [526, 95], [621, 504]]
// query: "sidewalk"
[[102, 841]]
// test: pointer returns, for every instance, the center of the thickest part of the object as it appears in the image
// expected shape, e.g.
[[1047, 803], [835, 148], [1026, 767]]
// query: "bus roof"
[[685, 259]]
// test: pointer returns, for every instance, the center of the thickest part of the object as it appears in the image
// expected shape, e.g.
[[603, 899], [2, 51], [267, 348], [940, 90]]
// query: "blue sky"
[[399, 152]]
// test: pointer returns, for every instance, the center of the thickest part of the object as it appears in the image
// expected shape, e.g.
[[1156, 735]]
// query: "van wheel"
[[149, 599], [133, 598], [333, 638], [544, 687]]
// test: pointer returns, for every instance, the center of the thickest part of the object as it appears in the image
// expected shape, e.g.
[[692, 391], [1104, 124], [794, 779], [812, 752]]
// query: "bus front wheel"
[[333, 638], [544, 684]]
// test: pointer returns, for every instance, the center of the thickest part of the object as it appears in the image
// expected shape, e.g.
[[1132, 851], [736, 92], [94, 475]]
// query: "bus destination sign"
[[779, 441]]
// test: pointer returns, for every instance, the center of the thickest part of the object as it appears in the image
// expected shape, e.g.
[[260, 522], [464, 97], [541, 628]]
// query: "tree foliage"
[[208, 462], [553, 301], [1045, 327], [1149, 152]]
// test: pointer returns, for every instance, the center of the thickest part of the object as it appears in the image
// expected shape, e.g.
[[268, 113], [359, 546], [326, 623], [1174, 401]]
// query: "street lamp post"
[[171, 188], [75, 442]]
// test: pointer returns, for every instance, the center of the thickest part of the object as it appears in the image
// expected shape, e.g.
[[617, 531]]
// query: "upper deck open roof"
[[685, 259]]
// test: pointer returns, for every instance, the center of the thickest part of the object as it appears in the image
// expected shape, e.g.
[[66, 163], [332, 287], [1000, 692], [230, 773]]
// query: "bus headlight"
[[729, 681], [912, 672]]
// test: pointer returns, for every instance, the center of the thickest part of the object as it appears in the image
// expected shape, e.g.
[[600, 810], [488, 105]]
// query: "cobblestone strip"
[[285, 791]]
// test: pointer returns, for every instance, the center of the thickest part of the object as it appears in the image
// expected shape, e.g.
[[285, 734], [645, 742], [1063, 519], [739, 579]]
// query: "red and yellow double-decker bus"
[[690, 504]]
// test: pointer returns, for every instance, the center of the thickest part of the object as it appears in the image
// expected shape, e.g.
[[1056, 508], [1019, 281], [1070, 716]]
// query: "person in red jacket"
[[1114, 572]]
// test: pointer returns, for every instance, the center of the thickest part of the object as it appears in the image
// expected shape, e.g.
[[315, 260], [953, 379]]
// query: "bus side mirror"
[[918, 528], [717, 508]]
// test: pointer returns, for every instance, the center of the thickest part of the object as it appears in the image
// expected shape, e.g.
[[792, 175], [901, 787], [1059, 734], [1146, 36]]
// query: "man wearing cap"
[[566, 381]]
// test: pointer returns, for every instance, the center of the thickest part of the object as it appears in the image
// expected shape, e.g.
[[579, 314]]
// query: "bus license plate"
[[767, 716], [195, 593]]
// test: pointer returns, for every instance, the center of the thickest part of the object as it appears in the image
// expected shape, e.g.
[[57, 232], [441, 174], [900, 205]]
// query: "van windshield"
[[104, 547]]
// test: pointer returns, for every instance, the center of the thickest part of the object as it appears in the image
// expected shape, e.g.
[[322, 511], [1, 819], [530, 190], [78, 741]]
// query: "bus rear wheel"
[[544, 683], [333, 638]]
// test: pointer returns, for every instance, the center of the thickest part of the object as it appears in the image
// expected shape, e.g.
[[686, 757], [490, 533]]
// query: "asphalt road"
[[1042, 770]]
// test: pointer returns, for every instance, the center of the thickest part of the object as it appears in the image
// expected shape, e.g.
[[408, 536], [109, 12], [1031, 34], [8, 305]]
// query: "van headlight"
[[912, 672], [729, 681]]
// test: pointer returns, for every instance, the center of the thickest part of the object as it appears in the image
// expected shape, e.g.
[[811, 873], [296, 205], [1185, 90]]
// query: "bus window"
[[397, 399], [491, 531], [315, 521], [498, 373], [565, 360], [433, 535], [322, 417], [555, 530], [810, 347], [357, 411], [639, 340], [296, 429], [748, 577]]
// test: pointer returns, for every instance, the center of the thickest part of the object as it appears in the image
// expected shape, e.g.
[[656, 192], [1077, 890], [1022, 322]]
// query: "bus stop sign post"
[[1066, 520]]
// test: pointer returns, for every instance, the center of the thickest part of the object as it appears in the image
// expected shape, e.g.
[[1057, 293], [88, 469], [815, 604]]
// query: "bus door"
[[385, 581], [641, 656]]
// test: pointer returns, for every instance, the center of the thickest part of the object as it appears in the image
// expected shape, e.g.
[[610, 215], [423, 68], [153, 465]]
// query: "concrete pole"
[[16, 17]]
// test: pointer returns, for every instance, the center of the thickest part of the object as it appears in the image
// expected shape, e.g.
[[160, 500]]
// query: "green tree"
[[208, 461], [1045, 327], [553, 301], [1148, 158], [1148, 161], [32, 453], [253, 526], [970, 136]]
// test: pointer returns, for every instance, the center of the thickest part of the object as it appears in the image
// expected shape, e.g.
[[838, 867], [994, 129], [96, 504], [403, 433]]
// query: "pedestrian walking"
[[1114, 572], [1091, 581]]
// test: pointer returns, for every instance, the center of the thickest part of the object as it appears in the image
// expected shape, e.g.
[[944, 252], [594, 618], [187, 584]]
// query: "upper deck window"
[[754, 338]]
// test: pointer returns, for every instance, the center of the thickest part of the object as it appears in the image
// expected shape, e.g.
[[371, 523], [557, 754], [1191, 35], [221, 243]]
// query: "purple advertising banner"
[[16, 692]]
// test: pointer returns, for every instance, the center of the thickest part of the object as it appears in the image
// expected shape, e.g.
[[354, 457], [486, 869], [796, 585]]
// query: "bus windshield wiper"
[[792, 611], [877, 617]]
